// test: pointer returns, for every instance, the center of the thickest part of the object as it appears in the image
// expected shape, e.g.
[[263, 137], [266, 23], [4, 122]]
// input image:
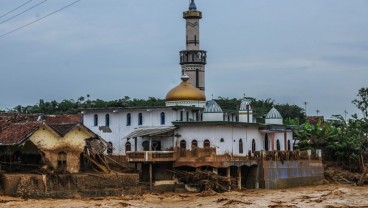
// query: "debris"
[[203, 180]]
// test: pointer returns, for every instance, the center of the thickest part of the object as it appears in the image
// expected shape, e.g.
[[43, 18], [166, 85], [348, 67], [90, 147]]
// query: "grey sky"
[[287, 50]]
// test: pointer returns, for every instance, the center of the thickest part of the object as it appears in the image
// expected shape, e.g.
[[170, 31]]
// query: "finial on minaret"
[[192, 5], [184, 77]]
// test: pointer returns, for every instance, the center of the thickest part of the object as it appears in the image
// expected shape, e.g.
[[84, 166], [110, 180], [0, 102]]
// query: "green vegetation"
[[345, 141], [291, 113]]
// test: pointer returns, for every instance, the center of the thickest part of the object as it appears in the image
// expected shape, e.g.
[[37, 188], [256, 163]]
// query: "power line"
[[23, 12], [15, 9], [39, 19]]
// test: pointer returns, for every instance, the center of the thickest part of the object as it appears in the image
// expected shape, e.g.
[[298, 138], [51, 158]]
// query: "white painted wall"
[[231, 136], [213, 116], [118, 124]]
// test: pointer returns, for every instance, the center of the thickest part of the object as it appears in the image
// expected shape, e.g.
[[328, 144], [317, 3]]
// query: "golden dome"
[[185, 91]]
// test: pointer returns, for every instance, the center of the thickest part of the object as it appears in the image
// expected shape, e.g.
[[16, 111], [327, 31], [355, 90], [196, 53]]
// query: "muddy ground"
[[331, 195]]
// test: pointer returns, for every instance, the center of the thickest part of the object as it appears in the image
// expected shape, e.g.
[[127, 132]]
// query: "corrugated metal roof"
[[273, 114], [150, 131]]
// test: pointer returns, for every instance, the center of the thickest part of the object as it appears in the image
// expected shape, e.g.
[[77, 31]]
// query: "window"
[[95, 120], [109, 148], [206, 143], [222, 140], [128, 147], [266, 142], [107, 120], [207, 150], [289, 145], [61, 161], [278, 145], [194, 144], [140, 119], [197, 78], [162, 118], [194, 148], [253, 146], [128, 119], [187, 115], [181, 115], [240, 146], [183, 148]]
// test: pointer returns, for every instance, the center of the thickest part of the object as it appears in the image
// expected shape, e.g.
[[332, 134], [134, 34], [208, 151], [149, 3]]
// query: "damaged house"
[[57, 146]]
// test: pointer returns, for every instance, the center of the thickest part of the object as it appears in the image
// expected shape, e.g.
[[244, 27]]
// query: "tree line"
[[342, 140], [292, 114]]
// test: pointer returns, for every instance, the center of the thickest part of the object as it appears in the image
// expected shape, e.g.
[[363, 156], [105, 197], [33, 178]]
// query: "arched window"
[[107, 120], [194, 144], [95, 120], [194, 148], [278, 145], [206, 143], [162, 118], [253, 146], [140, 119], [266, 142], [61, 159], [183, 148], [240, 146], [128, 119], [109, 148], [222, 140], [128, 147], [289, 145]]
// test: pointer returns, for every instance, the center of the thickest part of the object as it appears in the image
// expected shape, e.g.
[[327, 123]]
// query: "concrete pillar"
[[151, 174], [257, 178], [273, 141], [228, 175], [239, 177]]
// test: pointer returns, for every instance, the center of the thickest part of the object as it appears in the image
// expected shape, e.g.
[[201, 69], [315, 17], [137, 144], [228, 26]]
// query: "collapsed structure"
[[190, 133], [54, 156]]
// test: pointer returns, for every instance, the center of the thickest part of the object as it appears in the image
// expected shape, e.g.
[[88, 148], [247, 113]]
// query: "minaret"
[[193, 60]]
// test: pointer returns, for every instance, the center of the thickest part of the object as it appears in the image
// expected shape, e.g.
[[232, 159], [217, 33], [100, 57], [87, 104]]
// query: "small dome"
[[192, 6], [212, 107], [185, 91], [273, 114], [243, 106]]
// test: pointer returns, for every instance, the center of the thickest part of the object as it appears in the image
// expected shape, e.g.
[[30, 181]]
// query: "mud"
[[331, 195]]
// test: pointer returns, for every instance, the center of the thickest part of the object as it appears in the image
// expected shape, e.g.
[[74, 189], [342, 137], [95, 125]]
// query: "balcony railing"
[[151, 156]]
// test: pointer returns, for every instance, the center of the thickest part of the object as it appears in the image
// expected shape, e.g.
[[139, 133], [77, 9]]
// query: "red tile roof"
[[63, 118], [17, 133]]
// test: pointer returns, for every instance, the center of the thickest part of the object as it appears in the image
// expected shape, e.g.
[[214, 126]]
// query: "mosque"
[[191, 132]]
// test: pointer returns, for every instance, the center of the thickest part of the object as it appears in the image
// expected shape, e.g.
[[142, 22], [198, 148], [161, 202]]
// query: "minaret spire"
[[193, 60]]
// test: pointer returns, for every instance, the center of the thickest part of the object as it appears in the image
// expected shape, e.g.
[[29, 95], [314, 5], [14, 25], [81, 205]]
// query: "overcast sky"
[[290, 51]]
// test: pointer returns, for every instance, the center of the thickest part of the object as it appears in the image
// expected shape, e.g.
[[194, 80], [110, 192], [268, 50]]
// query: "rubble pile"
[[337, 174], [204, 180]]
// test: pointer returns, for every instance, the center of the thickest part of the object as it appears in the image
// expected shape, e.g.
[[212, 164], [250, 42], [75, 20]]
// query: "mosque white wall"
[[119, 127], [273, 121], [231, 136], [244, 117], [213, 116]]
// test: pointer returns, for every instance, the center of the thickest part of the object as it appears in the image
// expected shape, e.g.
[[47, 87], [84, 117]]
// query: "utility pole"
[[305, 108]]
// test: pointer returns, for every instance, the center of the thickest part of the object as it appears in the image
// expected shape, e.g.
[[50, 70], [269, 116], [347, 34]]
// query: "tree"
[[362, 101]]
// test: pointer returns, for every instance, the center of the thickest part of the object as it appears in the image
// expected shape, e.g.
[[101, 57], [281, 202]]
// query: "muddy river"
[[332, 195]]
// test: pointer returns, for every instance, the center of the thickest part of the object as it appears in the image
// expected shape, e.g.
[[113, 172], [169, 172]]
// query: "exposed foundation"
[[70, 185]]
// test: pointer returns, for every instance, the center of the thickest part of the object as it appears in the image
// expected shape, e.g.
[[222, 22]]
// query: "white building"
[[190, 132]]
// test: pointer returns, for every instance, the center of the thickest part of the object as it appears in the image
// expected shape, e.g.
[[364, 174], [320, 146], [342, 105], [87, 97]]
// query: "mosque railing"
[[151, 156], [290, 155]]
